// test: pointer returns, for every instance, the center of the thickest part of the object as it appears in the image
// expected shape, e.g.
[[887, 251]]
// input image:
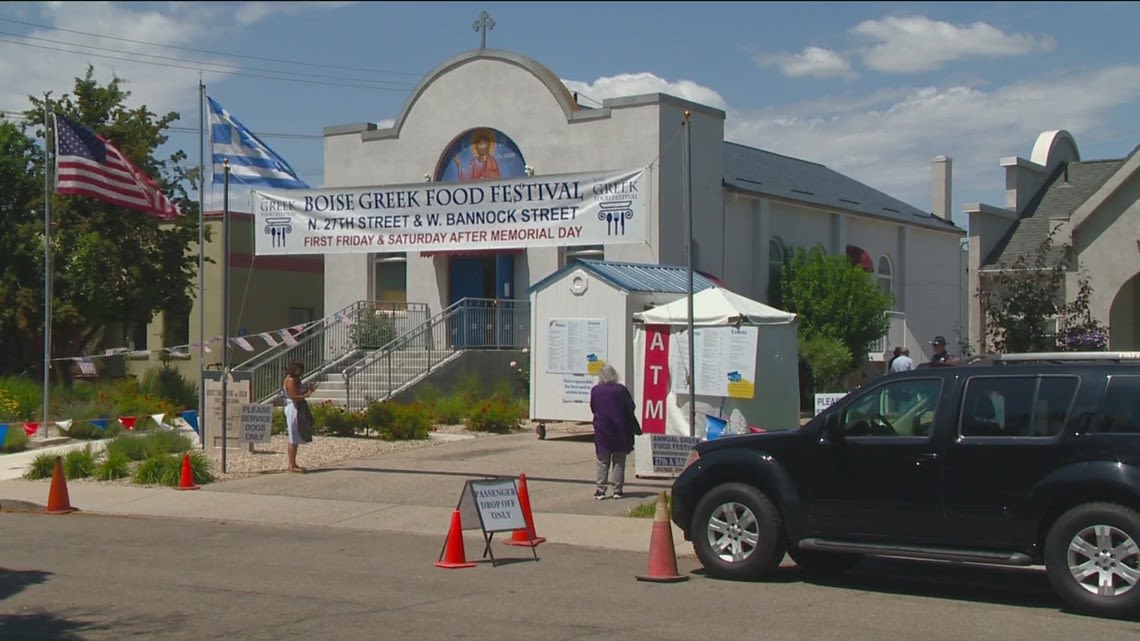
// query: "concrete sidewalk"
[[13, 466], [414, 491]]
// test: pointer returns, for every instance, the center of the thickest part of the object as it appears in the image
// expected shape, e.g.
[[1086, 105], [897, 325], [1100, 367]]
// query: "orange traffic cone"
[[186, 481], [528, 536], [58, 500], [453, 555], [662, 556]]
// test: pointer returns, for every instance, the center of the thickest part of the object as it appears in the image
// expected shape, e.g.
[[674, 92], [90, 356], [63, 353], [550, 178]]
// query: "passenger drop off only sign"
[[494, 505]]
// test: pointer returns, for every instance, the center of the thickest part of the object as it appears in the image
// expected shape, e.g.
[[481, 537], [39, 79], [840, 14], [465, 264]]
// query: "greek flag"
[[252, 162]]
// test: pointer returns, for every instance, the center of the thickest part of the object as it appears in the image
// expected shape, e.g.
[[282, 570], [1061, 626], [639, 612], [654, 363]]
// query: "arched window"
[[776, 257], [885, 276]]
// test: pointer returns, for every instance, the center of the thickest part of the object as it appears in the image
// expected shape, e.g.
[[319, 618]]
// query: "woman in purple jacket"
[[613, 408]]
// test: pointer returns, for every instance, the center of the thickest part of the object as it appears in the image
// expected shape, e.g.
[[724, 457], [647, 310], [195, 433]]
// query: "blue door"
[[470, 277], [486, 278]]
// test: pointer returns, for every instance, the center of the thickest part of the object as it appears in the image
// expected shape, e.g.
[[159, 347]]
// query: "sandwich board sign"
[[492, 505]]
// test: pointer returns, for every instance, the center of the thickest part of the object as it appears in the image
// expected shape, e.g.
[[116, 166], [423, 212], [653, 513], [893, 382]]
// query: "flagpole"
[[201, 260], [225, 303], [47, 265], [687, 202]]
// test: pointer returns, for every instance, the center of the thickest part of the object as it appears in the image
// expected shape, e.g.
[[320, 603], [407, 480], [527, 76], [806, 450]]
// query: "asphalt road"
[[88, 577]]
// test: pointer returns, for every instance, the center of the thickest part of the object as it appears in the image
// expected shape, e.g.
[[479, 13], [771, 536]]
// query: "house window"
[[175, 329], [885, 277], [572, 255], [390, 278], [136, 335]]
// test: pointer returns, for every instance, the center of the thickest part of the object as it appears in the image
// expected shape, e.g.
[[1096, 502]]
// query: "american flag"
[[87, 164]]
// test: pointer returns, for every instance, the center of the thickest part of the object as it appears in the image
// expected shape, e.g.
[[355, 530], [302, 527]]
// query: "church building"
[[493, 114]]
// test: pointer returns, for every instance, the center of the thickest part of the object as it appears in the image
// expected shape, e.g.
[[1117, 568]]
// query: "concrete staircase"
[[381, 379]]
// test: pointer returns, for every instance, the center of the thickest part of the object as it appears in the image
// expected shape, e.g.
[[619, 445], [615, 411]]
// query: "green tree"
[[1023, 298], [833, 299], [111, 267], [21, 248]]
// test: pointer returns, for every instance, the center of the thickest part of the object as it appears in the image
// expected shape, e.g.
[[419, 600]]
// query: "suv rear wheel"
[[737, 532], [1092, 555]]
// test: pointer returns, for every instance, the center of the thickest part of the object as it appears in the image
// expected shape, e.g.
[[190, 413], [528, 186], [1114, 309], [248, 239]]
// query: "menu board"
[[725, 361], [575, 345]]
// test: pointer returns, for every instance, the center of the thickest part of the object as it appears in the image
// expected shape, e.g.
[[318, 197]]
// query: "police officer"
[[941, 357]]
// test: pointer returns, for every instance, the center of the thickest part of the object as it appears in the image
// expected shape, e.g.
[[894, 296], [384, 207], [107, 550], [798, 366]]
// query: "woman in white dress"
[[295, 404]]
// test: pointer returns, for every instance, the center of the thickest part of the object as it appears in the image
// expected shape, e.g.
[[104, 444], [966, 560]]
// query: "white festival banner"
[[536, 211]]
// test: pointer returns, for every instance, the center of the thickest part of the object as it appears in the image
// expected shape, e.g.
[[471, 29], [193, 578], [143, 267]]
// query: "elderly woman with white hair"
[[614, 428]]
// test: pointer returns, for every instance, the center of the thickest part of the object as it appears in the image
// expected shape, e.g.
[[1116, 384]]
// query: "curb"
[[10, 505]]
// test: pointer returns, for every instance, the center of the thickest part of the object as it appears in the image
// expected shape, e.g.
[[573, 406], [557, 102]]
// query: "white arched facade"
[[739, 237]]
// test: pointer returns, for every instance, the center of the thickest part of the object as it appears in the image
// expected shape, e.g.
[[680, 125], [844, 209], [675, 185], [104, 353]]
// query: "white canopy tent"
[[715, 307], [746, 374]]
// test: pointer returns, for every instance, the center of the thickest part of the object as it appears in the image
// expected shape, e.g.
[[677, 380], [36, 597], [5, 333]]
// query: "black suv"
[[1014, 464]]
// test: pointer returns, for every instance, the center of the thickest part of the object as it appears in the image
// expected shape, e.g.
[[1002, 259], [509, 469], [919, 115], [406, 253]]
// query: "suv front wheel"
[[736, 533], [1092, 555]]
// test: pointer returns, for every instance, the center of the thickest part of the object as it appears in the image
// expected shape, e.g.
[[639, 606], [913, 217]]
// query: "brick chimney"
[[940, 188]]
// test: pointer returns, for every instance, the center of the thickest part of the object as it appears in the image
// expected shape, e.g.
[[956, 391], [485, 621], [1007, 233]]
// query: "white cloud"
[[812, 62], [633, 84], [888, 139], [912, 44], [163, 79], [248, 13]]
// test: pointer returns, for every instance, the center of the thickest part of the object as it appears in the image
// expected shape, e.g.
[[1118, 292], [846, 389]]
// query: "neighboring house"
[[750, 207], [266, 293], [1094, 205]]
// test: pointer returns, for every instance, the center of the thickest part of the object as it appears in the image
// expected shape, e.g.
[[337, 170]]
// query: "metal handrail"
[[470, 323], [314, 329], [342, 337]]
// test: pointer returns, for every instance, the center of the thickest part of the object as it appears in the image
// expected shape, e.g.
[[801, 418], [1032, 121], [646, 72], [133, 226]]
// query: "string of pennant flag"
[[128, 423], [271, 338]]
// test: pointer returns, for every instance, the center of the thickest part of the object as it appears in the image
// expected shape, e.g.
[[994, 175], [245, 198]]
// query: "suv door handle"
[[925, 457]]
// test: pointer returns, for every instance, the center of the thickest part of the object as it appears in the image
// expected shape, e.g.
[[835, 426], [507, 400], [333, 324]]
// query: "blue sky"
[[874, 90]]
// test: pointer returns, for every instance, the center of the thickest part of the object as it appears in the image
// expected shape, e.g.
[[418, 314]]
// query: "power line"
[[192, 130], [17, 114], [199, 68], [222, 66], [219, 53]]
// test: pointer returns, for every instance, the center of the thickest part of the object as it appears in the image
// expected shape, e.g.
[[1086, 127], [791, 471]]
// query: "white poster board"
[[668, 452], [576, 345], [725, 363], [576, 388], [256, 423], [824, 401]]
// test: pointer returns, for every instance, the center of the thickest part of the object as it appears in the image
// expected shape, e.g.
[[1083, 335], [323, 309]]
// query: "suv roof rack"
[[1067, 357]]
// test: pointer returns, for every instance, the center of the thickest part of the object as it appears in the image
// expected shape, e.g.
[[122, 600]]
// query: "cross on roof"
[[483, 24]]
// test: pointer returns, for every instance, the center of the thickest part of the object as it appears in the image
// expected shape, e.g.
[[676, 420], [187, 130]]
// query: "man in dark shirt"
[[941, 357]]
